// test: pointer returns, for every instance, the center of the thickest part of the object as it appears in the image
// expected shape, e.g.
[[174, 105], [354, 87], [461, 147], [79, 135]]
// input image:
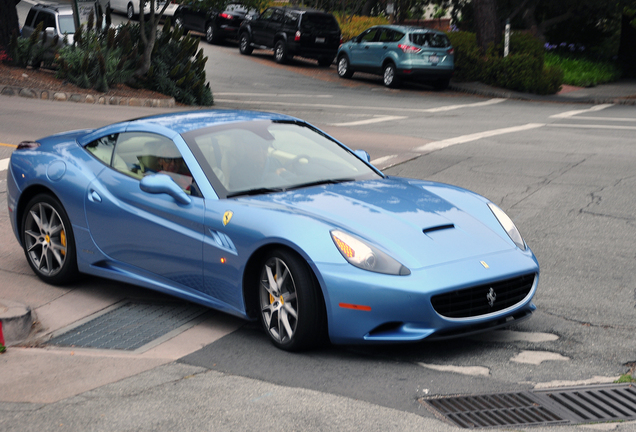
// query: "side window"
[[138, 154], [368, 36], [277, 16], [29, 19], [103, 148], [397, 36], [386, 35], [291, 19], [46, 18], [267, 14]]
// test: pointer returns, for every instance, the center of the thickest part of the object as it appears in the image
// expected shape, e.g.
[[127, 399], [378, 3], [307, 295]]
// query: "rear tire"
[[291, 306], [389, 76], [245, 46], [48, 241], [280, 52]]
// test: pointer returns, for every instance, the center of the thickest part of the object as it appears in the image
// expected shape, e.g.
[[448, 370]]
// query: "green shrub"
[[97, 59], [35, 51], [352, 26], [522, 70], [469, 62], [177, 67], [583, 72]]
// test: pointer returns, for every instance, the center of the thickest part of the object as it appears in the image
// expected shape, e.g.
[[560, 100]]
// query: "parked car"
[[292, 32], [131, 7], [399, 53], [214, 23], [57, 20], [265, 217]]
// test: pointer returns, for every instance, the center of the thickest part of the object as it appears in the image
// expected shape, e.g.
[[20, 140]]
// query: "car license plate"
[[434, 58], [320, 40]]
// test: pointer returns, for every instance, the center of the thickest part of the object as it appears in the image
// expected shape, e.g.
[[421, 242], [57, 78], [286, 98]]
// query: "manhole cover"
[[541, 407], [130, 325]]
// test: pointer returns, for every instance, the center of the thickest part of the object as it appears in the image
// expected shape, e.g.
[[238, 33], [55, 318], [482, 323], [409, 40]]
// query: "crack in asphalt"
[[589, 324]]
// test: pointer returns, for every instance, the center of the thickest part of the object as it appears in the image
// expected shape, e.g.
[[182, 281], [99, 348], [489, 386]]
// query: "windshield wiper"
[[321, 182], [257, 191]]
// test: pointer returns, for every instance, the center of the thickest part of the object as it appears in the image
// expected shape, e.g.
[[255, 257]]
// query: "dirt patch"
[[42, 79]]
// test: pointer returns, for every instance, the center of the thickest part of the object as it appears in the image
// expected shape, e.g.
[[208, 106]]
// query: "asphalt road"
[[564, 173]]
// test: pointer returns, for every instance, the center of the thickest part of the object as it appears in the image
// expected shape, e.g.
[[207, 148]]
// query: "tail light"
[[225, 15], [409, 49], [297, 36], [26, 145], [451, 51]]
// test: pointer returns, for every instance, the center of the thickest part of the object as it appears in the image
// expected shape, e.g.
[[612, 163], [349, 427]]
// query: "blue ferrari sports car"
[[266, 217]]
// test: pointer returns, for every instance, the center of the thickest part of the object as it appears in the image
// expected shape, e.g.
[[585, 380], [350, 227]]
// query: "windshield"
[[66, 24], [265, 156]]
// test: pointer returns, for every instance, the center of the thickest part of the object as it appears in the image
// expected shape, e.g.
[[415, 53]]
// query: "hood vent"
[[437, 228]]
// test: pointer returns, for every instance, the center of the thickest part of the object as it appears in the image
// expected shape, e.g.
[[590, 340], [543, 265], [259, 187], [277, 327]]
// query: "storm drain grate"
[[130, 326], [541, 407]]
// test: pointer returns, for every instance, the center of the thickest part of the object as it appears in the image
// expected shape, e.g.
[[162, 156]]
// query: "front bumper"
[[365, 307]]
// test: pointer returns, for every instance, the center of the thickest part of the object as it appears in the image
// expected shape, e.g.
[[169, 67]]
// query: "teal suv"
[[399, 53]]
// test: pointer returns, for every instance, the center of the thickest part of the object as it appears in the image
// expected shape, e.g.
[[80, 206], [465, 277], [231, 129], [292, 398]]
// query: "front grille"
[[483, 299]]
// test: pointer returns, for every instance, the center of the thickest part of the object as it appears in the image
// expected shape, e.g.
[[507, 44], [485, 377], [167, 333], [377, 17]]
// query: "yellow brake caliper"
[[63, 241], [272, 299]]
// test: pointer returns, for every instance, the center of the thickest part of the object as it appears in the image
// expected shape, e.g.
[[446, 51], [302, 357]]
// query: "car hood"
[[413, 224]]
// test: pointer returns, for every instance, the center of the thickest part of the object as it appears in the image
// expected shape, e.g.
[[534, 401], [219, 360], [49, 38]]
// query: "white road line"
[[573, 113], [4, 164], [382, 159], [369, 121], [437, 145], [589, 126], [615, 119], [370, 108], [473, 105]]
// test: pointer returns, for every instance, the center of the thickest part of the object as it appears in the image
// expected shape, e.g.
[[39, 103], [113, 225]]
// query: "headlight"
[[508, 225], [365, 256]]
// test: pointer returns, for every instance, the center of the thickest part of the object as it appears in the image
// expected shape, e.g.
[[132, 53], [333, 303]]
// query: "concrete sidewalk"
[[622, 92]]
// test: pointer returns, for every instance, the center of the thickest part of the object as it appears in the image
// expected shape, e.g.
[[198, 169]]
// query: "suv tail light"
[[409, 49], [225, 15], [297, 36], [451, 51]]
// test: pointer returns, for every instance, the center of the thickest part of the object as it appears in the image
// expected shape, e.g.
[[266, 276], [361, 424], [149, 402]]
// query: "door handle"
[[94, 196], [366, 47]]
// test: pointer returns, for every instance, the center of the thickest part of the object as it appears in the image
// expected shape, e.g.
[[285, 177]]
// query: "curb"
[[88, 98], [480, 89], [16, 320]]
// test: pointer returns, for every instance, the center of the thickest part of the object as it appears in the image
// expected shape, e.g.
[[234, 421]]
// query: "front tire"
[[245, 46], [389, 76], [210, 34], [291, 307], [178, 22], [48, 241], [130, 11], [280, 52], [344, 68]]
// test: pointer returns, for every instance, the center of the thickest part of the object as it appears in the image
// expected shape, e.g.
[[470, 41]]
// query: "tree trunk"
[[8, 22], [149, 43], [627, 47], [486, 23]]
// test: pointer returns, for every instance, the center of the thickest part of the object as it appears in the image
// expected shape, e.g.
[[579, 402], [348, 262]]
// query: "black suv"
[[217, 24], [292, 32]]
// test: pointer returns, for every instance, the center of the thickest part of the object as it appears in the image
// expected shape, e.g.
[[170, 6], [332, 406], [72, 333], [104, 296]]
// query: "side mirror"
[[362, 154], [162, 183]]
